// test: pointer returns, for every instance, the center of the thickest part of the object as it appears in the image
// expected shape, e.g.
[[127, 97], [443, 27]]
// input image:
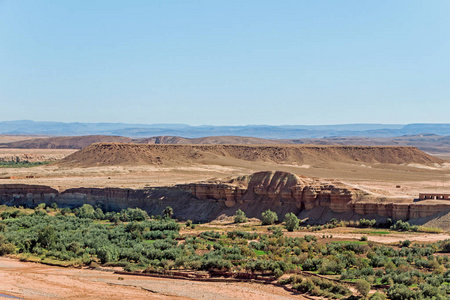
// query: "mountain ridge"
[[27, 127]]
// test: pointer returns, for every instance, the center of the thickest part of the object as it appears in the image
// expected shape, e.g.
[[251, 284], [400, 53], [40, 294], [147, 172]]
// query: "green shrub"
[[7, 249], [401, 226], [378, 296], [65, 211], [277, 273], [362, 286], [406, 243], [291, 221], [400, 292], [367, 223], [107, 254], [167, 212], [240, 217], [269, 217], [276, 231]]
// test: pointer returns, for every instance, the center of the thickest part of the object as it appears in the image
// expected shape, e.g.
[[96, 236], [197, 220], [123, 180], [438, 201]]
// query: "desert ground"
[[27, 280], [35, 281], [380, 179]]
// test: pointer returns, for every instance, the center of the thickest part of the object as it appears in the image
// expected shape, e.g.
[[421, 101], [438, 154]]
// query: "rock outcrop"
[[279, 191]]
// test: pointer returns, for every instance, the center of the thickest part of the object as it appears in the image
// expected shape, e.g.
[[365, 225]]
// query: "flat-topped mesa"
[[108, 154]]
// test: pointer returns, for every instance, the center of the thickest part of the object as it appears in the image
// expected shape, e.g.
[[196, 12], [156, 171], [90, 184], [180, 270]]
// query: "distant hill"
[[110, 154], [209, 140], [257, 131], [65, 142], [431, 143]]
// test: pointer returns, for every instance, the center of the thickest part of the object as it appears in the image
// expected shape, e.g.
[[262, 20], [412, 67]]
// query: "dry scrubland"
[[375, 170]]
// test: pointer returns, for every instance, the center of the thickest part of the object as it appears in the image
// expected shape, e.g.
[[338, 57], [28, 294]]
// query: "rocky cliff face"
[[279, 191], [286, 192]]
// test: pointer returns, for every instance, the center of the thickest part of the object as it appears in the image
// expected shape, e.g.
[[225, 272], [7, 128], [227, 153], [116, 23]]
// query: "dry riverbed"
[[35, 281]]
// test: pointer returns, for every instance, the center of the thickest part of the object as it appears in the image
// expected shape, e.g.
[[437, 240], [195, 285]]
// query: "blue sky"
[[225, 62]]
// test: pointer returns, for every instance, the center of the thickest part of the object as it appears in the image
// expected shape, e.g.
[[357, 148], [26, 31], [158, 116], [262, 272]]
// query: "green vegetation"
[[22, 164], [136, 242], [362, 286], [269, 217], [317, 286], [168, 212], [240, 217], [291, 221]]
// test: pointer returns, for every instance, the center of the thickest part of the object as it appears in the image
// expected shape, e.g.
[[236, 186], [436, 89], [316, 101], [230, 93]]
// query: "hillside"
[[426, 142], [430, 143], [65, 142], [108, 154]]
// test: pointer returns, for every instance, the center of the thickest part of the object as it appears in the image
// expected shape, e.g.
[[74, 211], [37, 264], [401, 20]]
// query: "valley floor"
[[35, 281]]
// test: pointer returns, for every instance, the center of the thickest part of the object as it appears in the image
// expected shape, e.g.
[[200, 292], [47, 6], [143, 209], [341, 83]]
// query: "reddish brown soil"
[[35, 281]]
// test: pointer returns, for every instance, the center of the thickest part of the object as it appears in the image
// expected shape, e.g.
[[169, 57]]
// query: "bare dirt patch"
[[385, 237], [35, 281]]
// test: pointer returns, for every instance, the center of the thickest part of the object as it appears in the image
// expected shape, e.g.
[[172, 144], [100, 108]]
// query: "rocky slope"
[[107, 154], [279, 191]]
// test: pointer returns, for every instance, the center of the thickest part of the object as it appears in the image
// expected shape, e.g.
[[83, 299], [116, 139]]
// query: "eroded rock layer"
[[279, 191]]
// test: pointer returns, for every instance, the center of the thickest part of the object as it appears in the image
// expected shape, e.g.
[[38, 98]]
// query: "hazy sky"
[[225, 62]]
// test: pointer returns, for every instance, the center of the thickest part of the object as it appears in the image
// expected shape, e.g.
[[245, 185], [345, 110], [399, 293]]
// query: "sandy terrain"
[[6, 138], [349, 233], [49, 152], [33, 155], [35, 281], [379, 179]]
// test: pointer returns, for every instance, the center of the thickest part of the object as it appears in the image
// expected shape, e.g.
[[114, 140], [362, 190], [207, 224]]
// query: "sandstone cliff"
[[279, 191]]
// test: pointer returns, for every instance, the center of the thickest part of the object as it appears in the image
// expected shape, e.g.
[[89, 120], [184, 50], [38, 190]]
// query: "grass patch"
[[58, 263], [350, 242], [207, 228], [22, 164], [429, 229], [372, 232], [260, 252], [101, 222]]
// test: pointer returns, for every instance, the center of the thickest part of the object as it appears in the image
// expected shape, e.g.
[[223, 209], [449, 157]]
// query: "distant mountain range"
[[259, 131]]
